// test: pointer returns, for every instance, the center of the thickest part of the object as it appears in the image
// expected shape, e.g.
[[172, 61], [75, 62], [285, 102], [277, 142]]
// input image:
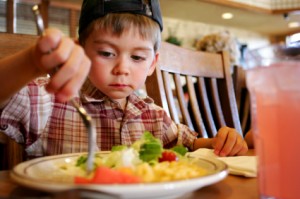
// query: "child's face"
[[120, 65]]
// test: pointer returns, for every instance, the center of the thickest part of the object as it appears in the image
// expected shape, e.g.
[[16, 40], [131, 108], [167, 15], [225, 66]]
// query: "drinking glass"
[[273, 80]]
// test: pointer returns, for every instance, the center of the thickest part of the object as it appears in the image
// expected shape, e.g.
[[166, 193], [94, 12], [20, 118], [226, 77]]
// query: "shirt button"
[[3, 127]]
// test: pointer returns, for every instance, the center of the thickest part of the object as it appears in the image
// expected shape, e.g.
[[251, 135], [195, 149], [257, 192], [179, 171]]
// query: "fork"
[[87, 119]]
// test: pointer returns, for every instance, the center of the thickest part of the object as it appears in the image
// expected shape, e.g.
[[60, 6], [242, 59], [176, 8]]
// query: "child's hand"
[[228, 142], [54, 50], [249, 139]]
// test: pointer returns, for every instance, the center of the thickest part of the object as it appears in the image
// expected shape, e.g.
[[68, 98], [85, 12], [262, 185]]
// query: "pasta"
[[169, 171], [148, 173]]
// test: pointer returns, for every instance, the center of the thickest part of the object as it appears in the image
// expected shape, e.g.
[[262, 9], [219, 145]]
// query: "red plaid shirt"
[[48, 127]]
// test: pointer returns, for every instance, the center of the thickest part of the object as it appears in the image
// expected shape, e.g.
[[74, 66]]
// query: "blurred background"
[[244, 23]]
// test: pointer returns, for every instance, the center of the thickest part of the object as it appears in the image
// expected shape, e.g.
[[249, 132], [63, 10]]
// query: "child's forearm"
[[15, 72], [203, 143]]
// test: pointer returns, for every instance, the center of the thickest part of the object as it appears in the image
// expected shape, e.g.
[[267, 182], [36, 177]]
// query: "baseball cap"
[[93, 9]]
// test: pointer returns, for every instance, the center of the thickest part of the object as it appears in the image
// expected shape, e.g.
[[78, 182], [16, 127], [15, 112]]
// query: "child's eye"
[[138, 58], [105, 54]]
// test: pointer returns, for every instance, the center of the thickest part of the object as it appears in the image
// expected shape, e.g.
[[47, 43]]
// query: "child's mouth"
[[118, 85]]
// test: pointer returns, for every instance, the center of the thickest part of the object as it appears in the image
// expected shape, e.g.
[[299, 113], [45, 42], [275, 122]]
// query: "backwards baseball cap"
[[93, 9]]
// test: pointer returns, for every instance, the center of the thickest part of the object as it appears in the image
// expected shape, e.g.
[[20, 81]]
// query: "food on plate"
[[145, 161]]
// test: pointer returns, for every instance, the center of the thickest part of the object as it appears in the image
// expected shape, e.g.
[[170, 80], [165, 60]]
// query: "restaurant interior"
[[254, 23], [234, 26]]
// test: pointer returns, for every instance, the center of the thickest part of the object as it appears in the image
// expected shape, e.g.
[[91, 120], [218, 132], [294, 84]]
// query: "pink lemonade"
[[275, 91]]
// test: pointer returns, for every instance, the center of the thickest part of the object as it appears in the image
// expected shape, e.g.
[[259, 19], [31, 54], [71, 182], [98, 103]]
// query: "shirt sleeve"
[[186, 136], [15, 116], [171, 133], [25, 116], [182, 134]]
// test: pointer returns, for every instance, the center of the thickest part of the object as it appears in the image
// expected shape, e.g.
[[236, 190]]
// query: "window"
[[61, 15]]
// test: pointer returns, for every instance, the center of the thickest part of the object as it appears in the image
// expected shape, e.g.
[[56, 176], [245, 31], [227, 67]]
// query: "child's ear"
[[154, 64]]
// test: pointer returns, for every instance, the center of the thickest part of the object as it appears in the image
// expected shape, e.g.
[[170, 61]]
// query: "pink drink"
[[275, 101]]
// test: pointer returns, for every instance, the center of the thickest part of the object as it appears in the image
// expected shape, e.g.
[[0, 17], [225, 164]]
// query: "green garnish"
[[147, 149], [81, 162], [150, 148], [180, 149], [118, 148]]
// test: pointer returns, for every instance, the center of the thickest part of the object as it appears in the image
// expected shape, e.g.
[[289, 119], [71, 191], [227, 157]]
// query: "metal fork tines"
[[87, 119]]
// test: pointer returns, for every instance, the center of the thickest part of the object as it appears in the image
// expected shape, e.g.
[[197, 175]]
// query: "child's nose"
[[121, 67]]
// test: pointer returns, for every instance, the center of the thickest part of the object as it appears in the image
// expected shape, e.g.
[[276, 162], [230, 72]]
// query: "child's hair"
[[117, 23]]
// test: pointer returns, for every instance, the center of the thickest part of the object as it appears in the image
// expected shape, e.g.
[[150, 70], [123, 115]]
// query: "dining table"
[[232, 187]]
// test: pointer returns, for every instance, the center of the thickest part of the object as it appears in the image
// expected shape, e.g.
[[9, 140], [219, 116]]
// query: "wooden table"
[[232, 187]]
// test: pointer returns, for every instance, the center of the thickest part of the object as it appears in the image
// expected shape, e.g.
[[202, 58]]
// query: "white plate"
[[38, 174]]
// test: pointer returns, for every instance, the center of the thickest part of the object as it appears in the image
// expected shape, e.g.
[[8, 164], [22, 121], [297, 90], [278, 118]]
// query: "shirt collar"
[[89, 93]]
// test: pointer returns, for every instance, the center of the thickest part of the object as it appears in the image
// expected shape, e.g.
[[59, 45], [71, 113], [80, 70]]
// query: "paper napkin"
[[237, 165]]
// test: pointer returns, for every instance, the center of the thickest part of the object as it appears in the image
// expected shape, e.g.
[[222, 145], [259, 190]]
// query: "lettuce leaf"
[[180, 149], [150, 148]]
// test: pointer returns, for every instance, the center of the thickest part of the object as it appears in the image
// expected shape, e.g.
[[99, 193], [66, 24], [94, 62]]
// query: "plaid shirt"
[[48, 127]]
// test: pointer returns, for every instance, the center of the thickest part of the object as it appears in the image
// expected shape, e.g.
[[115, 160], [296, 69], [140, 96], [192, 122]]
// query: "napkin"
[[237, 165]]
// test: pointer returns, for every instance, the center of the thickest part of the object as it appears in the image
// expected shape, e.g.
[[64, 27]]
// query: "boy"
[[121, 38]]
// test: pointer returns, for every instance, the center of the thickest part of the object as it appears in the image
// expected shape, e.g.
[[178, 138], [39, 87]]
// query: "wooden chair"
[[242, 97], [12, 153], [12, 43], [205, 73]]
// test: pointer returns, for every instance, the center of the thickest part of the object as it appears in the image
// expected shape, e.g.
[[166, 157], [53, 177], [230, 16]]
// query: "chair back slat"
[[212, 86], [200, 126], [208, 103], [242, 97], [170, 98], [154, 82], [205, 107], [181, 100]]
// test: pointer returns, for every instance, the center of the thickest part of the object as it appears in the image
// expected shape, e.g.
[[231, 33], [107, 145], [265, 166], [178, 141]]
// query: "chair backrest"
[[12, 43], [209, 85], [12, 153], [242, 97]]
